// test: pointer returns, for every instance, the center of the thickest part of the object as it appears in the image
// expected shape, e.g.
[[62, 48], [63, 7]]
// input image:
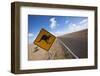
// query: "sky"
[[57, 25]]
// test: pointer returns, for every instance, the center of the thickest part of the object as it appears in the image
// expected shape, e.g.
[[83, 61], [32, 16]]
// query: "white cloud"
[[59, 33], [72, 28], [53, 23], [77, 27], [84, 21], [30, 34], [66, 21], [31, 38]]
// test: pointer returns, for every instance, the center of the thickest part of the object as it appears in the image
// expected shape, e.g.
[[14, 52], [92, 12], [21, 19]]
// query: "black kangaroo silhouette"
[[45, 38]]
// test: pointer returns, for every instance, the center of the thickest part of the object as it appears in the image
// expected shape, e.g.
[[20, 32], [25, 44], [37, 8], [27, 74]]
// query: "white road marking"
[[68, 49]]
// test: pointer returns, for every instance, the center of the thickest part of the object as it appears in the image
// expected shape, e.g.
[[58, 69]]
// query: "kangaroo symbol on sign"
[[45, 38]]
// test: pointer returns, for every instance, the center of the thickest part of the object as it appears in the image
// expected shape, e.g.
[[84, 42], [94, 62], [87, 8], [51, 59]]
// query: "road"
[[77, 43]]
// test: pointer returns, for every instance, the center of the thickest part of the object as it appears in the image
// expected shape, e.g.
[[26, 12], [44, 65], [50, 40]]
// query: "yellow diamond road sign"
[[44, 39]]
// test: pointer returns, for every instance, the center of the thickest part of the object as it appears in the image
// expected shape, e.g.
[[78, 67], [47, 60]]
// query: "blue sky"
[[57, 25]]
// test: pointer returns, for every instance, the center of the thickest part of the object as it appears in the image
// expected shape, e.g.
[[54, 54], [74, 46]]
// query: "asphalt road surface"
[[76, 43]]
